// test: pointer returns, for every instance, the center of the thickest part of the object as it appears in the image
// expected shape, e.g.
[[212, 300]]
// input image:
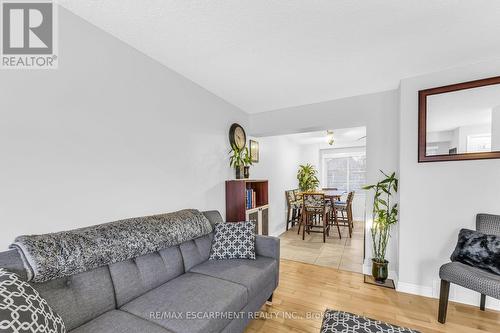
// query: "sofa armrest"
[[267, 246]]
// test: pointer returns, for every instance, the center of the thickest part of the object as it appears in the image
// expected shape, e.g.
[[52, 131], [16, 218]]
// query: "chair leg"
[[301, 223], [349, 220], [304, 227], [483, 302], [270, 300], [336, 221], [325, 223], [443, 301], [288, 218], [295, 216]]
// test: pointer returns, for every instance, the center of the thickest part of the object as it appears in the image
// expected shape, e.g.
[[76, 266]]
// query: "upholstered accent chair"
[[485, 283]]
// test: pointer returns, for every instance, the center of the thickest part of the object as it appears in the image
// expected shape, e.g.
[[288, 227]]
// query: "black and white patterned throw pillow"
[[22, 309], [233, 241], [340, 322]]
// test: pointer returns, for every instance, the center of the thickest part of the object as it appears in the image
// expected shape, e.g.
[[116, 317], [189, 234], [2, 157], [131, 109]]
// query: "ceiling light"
[[329, 137]]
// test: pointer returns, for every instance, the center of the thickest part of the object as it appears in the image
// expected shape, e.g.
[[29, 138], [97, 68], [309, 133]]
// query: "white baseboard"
[[414, 289], [457, 294]]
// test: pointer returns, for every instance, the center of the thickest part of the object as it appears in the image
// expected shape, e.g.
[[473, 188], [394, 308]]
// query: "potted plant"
[[385, 215], [247, 161], [240, 159], [307, 177]]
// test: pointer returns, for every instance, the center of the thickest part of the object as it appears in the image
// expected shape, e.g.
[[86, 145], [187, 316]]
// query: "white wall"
[[378, 112], [279, 161], [437, 199], [110, 134]]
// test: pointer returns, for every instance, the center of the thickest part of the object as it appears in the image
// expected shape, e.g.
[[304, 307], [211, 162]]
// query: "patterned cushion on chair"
[[233, 241], [298, 195], [340, 206], [22, 309]]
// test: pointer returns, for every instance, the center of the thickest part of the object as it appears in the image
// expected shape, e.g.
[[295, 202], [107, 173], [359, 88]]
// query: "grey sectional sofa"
[[174, 290]]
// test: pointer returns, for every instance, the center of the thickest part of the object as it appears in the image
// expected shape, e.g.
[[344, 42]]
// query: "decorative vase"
[[379, 271], [246, 172], [238, 173]]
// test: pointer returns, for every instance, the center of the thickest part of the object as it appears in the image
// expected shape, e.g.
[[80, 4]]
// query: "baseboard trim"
[[457, 294], [414, 289]]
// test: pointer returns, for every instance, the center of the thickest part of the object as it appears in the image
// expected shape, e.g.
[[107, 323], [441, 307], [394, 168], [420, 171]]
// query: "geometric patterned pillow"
[[22, 309], [233, 241], [340, 322]]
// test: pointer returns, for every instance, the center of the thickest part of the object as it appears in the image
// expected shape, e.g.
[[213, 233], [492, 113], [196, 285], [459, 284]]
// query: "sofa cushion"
[[178, 304], [196, 251], [255, 275], [134, 277], [120, 322], [81, 297], [472, 278]]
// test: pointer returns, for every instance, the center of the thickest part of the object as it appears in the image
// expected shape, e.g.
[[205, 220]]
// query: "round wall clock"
[[237, 136]]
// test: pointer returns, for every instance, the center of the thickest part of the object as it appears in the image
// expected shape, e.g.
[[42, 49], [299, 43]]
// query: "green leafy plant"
[[384, 214], [307, 177], [239, 157]]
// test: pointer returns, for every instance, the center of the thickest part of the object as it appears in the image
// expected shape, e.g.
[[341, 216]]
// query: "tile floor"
[[345, 254]]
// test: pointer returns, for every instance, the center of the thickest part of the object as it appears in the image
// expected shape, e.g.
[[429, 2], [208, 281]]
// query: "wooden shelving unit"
[[236, 203]]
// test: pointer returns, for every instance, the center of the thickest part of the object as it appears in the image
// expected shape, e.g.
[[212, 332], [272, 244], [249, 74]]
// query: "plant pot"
[[246, 172], [239, 174], [379, 271]]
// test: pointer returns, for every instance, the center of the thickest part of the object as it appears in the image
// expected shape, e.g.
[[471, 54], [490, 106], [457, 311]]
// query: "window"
[[347, 172], [479, 143]]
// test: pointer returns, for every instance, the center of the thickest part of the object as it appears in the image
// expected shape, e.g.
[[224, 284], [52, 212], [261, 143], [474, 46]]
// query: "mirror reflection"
[[464, 121]]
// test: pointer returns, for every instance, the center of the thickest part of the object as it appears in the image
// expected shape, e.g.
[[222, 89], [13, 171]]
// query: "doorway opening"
[[339, 158]]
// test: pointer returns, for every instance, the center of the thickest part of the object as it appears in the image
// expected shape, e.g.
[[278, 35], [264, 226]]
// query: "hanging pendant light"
[[329, 137]]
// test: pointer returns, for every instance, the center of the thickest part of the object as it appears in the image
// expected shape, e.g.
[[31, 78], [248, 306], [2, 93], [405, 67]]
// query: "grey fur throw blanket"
[[51, 256]]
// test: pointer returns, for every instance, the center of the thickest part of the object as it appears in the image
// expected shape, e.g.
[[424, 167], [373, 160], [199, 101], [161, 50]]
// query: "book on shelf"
[[250, 198]]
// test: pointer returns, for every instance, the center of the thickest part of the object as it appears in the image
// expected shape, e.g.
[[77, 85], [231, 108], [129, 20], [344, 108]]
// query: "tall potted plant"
[[240, 159], [307, 177], [385, 215]]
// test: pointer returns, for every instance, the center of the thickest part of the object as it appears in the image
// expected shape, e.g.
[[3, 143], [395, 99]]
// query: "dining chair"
[[293, 208], [313, 205], [298, 195], [345, 210]]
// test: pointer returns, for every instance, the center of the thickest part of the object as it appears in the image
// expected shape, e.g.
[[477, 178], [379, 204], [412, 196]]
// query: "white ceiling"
[[344, 137], [268, 54], [462, 108]]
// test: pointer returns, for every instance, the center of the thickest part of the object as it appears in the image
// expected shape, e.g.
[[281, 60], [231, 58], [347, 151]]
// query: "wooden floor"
[[344, 253], [306, 288]]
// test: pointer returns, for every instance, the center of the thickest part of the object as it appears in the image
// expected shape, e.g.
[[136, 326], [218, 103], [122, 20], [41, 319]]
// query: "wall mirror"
[[460, 121]]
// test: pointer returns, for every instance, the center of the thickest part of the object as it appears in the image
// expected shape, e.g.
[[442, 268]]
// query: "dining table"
[[329, 194], [333, 194]]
